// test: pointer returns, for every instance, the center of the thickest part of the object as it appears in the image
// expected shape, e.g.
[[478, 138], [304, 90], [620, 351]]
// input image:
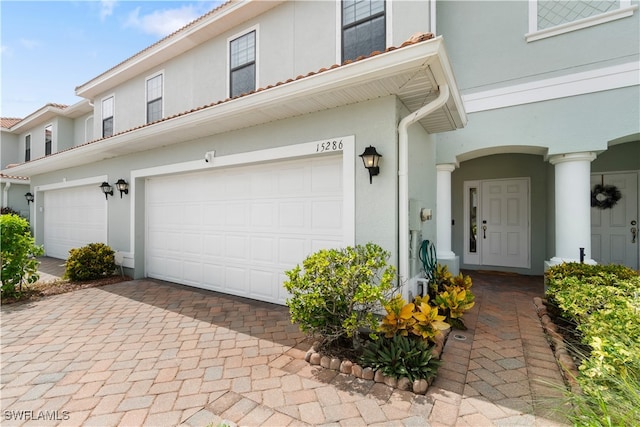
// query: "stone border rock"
[[348, 367], [558, 345]]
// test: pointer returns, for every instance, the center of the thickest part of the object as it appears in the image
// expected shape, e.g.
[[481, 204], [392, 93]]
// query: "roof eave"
[[214, 118]]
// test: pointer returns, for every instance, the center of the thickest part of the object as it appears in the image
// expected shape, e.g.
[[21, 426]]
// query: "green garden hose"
[[428, 257]]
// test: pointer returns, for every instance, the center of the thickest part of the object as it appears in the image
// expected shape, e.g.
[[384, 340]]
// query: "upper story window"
[[549, 18], [48, 138], [242, 61], [107, 117], [27, 148], [363, 28], [154, 98]]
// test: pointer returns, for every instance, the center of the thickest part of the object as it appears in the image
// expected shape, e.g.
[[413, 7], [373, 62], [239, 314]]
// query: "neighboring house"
[[239, 136], [12, 188]]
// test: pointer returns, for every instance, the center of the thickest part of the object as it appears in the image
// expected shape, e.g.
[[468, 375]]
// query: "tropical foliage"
[[18, 251], [93, 261]]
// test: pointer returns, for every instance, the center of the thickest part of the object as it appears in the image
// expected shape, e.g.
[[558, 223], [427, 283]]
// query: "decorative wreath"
[[605, 196]]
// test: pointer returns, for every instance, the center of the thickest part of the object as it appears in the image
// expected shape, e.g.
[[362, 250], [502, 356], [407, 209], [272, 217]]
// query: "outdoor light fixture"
[[106, 189], [371, 158], [29, 198], [122, 186]]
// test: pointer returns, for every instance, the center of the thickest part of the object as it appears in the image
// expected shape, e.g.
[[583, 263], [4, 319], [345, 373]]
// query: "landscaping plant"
[[452, 294], [602, 302], [336, 292], [93, 261], [400, 356], [18, 252], [418, 319]]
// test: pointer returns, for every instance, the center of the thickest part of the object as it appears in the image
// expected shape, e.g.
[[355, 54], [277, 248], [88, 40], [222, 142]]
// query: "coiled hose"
[[428, 258]]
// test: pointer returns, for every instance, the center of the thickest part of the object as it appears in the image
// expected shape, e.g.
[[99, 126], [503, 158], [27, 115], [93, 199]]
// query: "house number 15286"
[[329, 146]]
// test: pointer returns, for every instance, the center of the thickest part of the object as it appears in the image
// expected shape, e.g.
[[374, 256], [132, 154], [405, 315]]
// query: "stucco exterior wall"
[[372, 123], [491, 50]]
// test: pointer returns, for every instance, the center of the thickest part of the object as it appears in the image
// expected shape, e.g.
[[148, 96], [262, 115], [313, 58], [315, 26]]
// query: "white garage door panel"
[[73, 217], [237, 230]]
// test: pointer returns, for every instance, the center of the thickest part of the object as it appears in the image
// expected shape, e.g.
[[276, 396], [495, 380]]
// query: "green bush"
[[93, 261], [401, 356], [337, 291], [602, 301], [18, 252]]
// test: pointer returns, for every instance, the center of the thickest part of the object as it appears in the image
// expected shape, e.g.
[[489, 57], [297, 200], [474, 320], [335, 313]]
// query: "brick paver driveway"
[[147, 352]]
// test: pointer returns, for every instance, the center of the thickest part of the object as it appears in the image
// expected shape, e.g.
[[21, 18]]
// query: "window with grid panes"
[[243, 64], [154, 98], [363, 28], [107, 117], [48, 137]]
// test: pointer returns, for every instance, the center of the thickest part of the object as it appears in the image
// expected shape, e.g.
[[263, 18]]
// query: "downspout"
[[403, 177], [5, 195]]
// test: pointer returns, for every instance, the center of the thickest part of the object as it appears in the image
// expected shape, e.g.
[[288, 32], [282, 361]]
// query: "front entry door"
[[503, 229], [612, 235]]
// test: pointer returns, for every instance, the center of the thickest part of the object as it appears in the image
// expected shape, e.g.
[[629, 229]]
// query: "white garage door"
[[237, 230], [73, 217]]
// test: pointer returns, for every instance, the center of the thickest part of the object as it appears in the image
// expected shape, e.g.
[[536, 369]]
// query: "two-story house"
[[238, 141], [240, 138]]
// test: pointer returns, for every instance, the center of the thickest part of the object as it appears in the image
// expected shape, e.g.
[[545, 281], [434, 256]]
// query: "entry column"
[[573, 206], [443, 215]]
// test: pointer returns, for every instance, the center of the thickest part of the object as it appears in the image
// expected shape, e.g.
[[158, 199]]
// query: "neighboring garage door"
[[237, 230], [73, 217]]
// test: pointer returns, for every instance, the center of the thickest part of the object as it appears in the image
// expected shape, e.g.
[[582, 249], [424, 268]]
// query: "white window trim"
[[255, 28], [24, 150], [53, 149], [387, 23], [102, 117], [534, 34], [146, 94]]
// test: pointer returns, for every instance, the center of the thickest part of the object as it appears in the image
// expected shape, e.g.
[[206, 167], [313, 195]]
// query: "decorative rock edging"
[[563, 358], [348, 367]]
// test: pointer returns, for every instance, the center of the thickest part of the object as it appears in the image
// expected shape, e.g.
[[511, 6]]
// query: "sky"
[[48, 48]]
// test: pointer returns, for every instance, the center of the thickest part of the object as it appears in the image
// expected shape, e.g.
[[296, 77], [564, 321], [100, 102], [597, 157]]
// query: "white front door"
[[503, 229], [612, 235]]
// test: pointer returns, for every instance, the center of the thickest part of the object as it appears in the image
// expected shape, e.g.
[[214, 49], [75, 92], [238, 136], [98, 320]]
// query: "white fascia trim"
[[576, 25], [74, 183], [608, 78], [288, 152]]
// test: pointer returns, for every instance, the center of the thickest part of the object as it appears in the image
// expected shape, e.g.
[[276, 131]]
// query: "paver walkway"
[[148, 352]]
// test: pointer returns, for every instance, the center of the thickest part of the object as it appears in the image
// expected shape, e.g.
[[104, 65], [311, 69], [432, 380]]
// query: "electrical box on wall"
[[414, 215]]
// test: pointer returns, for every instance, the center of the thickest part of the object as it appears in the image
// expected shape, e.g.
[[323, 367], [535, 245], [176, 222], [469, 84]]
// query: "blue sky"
[[47, 48]]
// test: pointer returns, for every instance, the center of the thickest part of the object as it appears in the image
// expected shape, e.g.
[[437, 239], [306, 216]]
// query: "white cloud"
[[162, 22], [5, 50], [106, 8], [29, 44]]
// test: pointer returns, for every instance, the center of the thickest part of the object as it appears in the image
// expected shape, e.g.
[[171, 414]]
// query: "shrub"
[[417, 318], [93, 261], [603, 303], [18, 252], [400, 356], [452, 294], [337, 291], [7, 211]]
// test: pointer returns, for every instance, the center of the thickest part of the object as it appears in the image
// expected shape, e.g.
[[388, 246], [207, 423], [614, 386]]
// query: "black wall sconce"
[[29, 198], [122, 186], [106, 189], [371, 158]]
